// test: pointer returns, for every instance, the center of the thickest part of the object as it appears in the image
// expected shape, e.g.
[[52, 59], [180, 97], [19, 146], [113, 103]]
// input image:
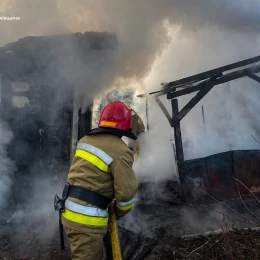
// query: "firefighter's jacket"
[[102, 163], [137, 128], [137, 124]]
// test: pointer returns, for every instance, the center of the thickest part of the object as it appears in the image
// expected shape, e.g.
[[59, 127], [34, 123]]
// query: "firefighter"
[[137, 128], [138, 124], [101, 171]]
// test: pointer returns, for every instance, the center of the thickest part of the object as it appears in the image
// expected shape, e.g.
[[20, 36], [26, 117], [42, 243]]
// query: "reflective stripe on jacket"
[[84, 214], [125, 206], [94, 155]]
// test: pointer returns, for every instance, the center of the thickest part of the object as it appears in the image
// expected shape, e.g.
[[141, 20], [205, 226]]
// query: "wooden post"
[[177, 132], [6, 97], [203, 118], [178, 143], [147, 122]]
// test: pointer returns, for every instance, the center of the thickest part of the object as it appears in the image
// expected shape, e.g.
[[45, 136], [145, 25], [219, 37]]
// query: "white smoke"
[[230, 109], [156, 160], [39, 210], [141, 27], [7, 166]]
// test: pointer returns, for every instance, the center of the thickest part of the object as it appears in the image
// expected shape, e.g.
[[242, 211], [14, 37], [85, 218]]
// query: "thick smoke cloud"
[[156, 160], [139, 25], [190, 37]]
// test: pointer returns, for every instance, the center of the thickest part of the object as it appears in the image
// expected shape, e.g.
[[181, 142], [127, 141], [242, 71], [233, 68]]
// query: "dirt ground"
[[151, 232], [238, 244], [156, 229], [234, 245]]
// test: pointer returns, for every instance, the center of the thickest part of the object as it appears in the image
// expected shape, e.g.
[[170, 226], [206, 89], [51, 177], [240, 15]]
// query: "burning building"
[[42, 83]]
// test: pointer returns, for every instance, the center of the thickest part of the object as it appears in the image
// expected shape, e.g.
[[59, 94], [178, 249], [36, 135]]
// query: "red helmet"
[[116, 115]]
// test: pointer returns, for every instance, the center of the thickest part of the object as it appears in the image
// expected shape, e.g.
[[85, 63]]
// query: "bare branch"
[[255, 139], [226, 215], [228, 207], [247, 189], [245, 203], [216, 232], [197, 249]]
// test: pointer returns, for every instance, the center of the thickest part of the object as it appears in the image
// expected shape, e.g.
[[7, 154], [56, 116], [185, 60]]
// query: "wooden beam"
[[193, 102], [210, 73], [221, 80], [252, 76], [184, 91], [166, 113]]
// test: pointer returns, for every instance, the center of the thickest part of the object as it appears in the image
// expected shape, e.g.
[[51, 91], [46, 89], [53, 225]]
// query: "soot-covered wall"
[[37, 103]]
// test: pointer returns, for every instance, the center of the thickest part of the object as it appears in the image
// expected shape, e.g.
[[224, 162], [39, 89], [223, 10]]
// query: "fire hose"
[[116, 249]]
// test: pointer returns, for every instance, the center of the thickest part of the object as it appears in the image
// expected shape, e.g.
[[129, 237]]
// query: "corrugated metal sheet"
[[215, 174], [193, 177], [247, 170], [220, 175]]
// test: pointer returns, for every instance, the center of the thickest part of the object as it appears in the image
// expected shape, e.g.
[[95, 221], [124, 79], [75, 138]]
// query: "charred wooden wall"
[[42, 127]]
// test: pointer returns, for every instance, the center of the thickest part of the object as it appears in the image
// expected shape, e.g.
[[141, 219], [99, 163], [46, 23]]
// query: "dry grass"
[[231, 243]]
